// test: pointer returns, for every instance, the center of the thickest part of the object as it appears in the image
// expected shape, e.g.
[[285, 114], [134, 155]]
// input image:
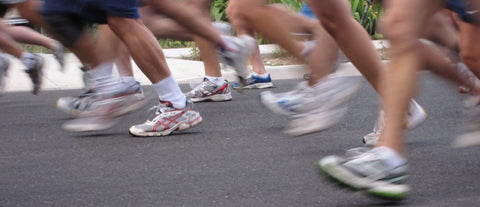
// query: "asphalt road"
[[236, 157]]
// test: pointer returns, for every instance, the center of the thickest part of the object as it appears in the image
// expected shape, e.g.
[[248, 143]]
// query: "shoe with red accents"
[[167, 119], [208, 91]]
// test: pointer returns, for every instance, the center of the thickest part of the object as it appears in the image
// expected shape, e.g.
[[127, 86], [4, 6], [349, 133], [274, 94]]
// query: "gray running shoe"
[[313, 109], [332, 91], [35, 73], [416, 115], [75, 105], [237, 56], [224, 27], [254, 81], [103, 113], [4, 64], [59, 55], [470, 135], [167, 119], [208, 91], [367, 171]]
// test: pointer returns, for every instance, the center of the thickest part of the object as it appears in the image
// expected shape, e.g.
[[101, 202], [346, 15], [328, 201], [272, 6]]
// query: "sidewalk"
[[184, 71]]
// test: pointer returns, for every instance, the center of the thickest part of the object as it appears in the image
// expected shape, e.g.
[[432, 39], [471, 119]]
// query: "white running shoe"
[[208, 91], [167, 119], [237, 54], [470, 135], [313, 109], [4, 65], [416, 115], [101, 111], [35, 72], [367, 171], [75, 105], [303, 98]]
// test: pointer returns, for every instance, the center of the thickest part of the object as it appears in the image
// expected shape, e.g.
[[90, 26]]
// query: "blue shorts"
[[464, 10], [306, 11], [95, 11]]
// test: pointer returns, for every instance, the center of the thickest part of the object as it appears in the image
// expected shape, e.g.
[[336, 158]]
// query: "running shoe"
[[167, 119], [208, 91], [59, 55], [470, 135], [331, 91], [35, 73], [368, 172], [75, 105], [4, 64], [237, 53], [416, 115], [224, 27], [255, 82], [104, 112]]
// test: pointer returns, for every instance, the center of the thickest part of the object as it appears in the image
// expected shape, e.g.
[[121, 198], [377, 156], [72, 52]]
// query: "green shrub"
[[367, 12]]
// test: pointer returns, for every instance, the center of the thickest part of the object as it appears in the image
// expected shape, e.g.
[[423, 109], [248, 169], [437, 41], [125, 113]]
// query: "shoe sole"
[[87, 125], [214, 98], [179, 127], [255, 86], [315, 122]]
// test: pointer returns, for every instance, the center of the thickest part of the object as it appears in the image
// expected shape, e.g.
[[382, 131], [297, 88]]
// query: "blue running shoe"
[[255, 82]]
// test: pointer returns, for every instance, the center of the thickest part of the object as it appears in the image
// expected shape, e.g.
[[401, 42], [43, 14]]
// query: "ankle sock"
[[216, 80], [168, 90], [390, 157]]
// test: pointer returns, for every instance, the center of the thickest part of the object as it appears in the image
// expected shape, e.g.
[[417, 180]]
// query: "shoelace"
[[159, 109]]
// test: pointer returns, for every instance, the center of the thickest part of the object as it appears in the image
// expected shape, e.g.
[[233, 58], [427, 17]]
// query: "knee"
[[398, 29]]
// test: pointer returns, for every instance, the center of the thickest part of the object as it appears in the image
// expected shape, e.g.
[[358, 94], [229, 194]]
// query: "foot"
[[208, 91], [59, 54], [167, 119], [35, 73], [254, 82], [4, 64], [416, 115], [75, 105], [367, 171], [235, 53], [470, 135]]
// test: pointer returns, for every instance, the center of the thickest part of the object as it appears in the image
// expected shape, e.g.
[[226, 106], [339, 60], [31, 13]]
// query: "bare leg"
[[470, 45], [404, 24], [29, 36], [142, 45], [350, 36]]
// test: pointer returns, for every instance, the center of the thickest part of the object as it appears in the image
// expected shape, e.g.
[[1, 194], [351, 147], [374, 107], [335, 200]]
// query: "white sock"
[[265, 75], [102, 77], [390, 157], [168, 90], [216, 80], [129, 80], [28, 59]]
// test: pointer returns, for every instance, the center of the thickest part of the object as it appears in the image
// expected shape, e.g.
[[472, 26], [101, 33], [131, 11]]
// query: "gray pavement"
[[236, 157]]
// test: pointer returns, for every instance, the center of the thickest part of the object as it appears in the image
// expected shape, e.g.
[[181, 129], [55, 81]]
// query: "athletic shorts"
[[306, 11], [464, 10], [95, 11]]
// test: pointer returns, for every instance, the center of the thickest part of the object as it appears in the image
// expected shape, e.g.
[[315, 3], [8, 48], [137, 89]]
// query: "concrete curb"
[[184, 71]]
